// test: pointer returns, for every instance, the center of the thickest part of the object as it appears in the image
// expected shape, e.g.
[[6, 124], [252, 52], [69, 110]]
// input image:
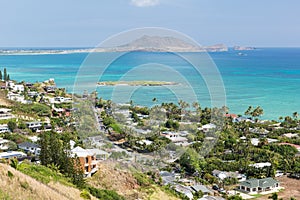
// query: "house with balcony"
[[5, 113], [34, 126], [4, 128], [87, 160]]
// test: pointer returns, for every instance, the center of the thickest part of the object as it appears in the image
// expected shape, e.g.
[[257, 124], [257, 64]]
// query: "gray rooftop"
[[262, 183]]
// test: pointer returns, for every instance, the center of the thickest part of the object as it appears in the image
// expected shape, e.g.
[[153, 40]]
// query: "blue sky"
[[73, 23]]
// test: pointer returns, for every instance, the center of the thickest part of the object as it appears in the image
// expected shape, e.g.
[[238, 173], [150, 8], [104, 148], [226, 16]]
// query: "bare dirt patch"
[[292, 188]]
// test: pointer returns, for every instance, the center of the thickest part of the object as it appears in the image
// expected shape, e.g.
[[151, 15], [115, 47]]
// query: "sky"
[[78, 23]]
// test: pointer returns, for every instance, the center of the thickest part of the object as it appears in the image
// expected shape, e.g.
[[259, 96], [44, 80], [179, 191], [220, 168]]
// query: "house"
[[260, 165], [12, 154], [100, 154], [3, 85], [175, 137], [223, 174], [291, 135], [5, 113], [30, 147], [187, 191], [258, 185], [211, 198], [16, 97], [29, 85], [203, 189], [255, 141], [4, 144], [87, 160], [262, 132], [169, 177], [207, 127], [243, 119], [4, 128], [32, 94], [18, 88], [50, 89], [34, 126]]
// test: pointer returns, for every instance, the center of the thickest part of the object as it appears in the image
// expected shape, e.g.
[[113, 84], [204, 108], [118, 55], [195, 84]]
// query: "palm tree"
[[258, 111], [248, 111], [295, 115]]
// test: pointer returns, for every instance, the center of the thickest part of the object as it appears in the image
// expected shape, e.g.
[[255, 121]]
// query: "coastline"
[[136, 83]]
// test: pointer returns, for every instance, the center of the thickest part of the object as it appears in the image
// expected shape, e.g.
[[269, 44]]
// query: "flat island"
[[136, 83]]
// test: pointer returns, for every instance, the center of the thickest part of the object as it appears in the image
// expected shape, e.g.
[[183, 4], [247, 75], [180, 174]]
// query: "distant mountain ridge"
[[165, 44]]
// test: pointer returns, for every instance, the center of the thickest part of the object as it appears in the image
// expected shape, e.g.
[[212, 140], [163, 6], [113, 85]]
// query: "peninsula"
[[136, 83]]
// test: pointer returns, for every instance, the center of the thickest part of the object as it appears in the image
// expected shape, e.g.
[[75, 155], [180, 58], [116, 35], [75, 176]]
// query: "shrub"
[[105, 194], [85, 195], [10, 174], [25, 185]]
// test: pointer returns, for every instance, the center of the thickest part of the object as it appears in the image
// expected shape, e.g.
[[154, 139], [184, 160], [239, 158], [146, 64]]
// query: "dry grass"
[[21, 186], [158, 194], [3, 100], [110, 176]]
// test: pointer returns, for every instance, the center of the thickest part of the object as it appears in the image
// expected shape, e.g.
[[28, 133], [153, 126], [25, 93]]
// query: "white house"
[[17, 97], [260, 165], [175, 137], [5, 113], [207, 127], [12, 154], [34, 125], [18, 88], [4, 144], [255, 141], [4, 128], [223, 174]]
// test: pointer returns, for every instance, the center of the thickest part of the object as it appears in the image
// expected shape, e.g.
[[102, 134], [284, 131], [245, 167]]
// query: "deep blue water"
[[269, 77]]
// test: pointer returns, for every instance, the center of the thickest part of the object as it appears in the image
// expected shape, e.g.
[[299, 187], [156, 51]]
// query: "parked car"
[[221, 190], [215, 187], [294, 175], [279, 173]]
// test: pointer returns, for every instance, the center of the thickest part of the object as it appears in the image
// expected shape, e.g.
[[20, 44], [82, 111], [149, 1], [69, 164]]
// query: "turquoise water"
[[268, 77]]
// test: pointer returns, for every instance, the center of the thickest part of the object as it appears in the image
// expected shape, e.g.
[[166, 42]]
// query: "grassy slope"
[[112, 177], [23, 187]]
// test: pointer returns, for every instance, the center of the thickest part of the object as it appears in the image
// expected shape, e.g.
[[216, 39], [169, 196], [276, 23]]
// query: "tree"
[[12, 125], [1, 75], [295, 115], [248, 111], [55, 151], [258, 111], [274, 196], [190, 160], [8, 77], [5, 75], [235, 197]]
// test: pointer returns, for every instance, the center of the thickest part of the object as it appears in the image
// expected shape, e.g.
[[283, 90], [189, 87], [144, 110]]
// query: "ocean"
[[266, 77]]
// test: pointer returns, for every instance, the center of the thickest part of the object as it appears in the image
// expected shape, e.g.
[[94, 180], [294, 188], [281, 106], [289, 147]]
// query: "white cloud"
[[144, 3]]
